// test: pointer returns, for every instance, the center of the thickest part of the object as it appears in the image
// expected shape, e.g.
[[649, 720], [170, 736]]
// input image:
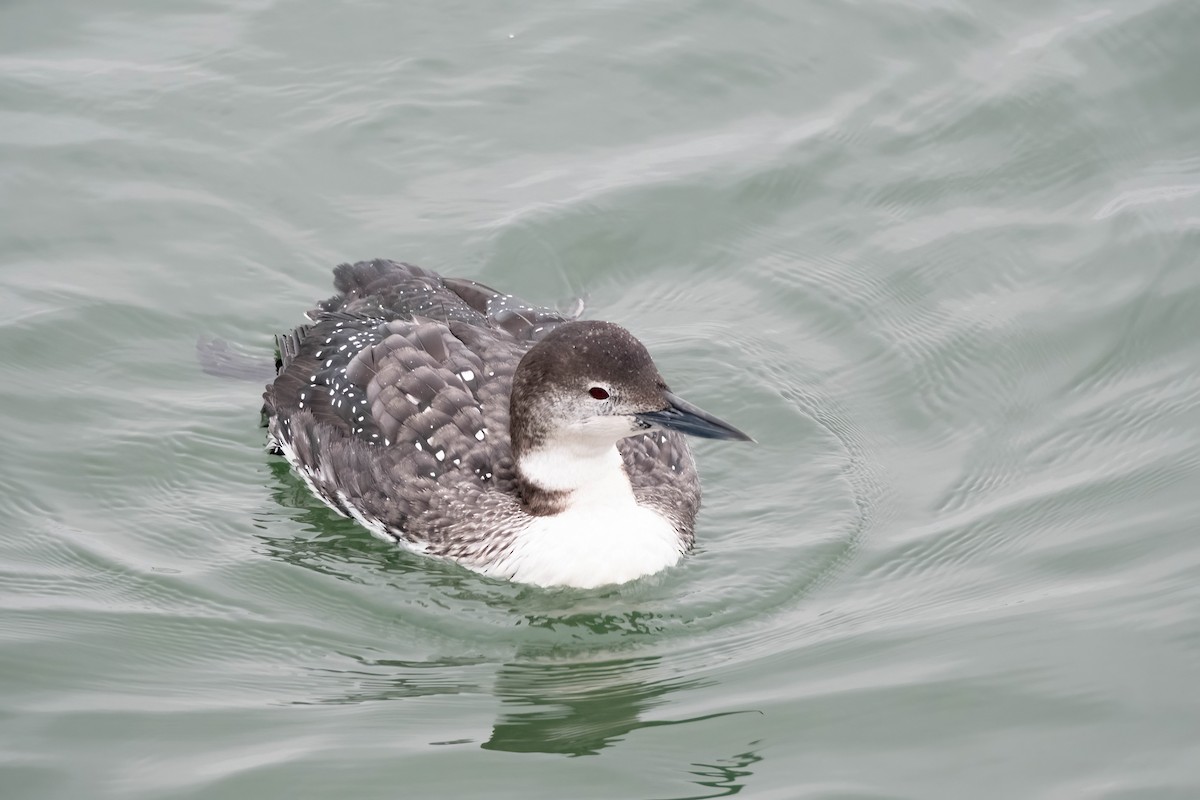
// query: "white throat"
[[602, 535], [592, 474]]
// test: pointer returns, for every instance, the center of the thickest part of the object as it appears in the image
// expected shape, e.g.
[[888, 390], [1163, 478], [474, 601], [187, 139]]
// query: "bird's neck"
[[558, 475]]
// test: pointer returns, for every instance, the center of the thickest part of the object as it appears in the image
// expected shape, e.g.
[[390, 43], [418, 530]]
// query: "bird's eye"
[[598, 393]]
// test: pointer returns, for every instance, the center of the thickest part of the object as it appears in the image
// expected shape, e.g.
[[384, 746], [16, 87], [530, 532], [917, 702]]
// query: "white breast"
[[602, 537], [585, 549]]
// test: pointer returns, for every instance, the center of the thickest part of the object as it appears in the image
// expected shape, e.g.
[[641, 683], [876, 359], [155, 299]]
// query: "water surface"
[[938, 258]]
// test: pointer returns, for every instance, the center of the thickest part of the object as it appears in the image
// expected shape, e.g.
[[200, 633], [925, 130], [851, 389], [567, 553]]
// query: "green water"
[[941, 259]]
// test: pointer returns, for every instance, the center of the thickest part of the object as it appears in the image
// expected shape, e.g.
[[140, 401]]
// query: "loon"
[[460, 422]]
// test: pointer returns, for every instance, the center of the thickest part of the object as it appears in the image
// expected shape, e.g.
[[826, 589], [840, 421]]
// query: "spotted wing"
[[403, 380]]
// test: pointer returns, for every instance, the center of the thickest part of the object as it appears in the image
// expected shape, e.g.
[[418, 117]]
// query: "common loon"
[[460, 422]]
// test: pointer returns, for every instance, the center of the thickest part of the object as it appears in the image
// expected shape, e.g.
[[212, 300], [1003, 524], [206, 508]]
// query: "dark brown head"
[[590, 383]]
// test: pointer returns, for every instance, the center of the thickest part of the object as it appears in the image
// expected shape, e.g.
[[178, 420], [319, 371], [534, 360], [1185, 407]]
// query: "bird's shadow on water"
[[576, 688]]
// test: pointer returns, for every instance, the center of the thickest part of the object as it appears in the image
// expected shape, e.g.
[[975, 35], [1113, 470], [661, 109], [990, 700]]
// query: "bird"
[[464, 423]]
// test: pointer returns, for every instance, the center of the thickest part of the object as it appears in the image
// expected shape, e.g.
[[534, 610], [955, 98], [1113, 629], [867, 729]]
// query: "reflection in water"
[[573, 707], [397, 679], [567, 707], [565, 691], [580, 708], [725, 778]]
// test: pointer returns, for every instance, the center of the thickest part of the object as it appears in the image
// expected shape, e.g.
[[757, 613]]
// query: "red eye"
[[598, 393]]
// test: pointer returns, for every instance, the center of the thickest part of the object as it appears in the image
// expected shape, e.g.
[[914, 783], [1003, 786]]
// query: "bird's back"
[[393, 405]]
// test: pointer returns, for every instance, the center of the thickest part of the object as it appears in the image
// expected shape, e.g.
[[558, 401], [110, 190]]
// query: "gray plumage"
[[394, 406]]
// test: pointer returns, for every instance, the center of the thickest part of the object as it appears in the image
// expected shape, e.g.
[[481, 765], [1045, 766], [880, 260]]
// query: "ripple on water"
[[724, 584], [946, 276]]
